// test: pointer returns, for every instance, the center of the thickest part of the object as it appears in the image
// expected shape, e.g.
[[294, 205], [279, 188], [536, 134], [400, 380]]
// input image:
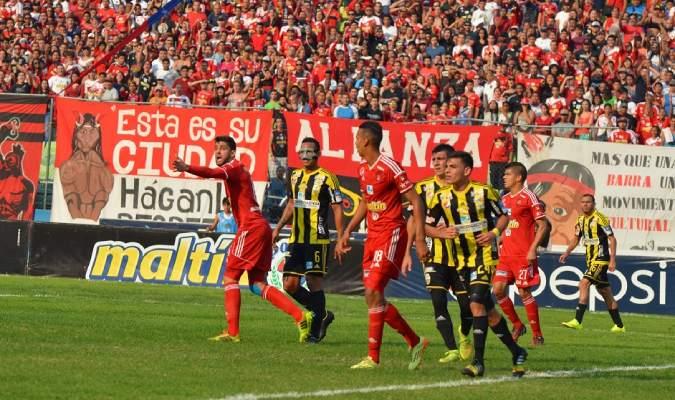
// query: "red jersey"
[[619, 136], [523, 210], [381, 186], [239, 189]]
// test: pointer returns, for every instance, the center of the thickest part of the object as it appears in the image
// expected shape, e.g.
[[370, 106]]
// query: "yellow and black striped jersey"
[[472, 211], [441, 249], [313, 192], [593, 232]]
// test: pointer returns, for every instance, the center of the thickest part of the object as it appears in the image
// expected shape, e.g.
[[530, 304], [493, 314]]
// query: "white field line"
[[447, 384], [629, 333]]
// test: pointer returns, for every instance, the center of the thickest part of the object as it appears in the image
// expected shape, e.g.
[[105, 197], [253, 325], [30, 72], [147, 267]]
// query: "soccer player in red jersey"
[[382, 182], [251, 248], [518, 256]]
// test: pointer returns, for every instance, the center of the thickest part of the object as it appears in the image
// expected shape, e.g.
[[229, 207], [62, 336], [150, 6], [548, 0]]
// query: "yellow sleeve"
[[333, 188]]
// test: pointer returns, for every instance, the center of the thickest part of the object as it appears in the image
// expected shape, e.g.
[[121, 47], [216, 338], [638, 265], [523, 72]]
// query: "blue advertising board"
[[640, 284]]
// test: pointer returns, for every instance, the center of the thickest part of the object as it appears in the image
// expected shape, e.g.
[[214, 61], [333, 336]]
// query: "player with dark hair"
[[473, 218], [560, 183], [518, 255], [594, 228], [440, 272], [382, 182], [313, 192], [251, 248]]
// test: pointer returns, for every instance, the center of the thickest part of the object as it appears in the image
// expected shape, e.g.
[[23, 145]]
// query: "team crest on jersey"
[[478, 198], [294, 179], [375, 216], [362, 171], [318, 183], [369, 189], [429, 192], [445, 200]]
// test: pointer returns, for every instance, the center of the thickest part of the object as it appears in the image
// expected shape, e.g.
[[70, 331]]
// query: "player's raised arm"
[[418, 215], [203, 172]]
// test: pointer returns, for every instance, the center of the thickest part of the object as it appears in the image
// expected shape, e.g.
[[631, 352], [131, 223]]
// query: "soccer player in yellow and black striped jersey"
[[313, 191], [440, 273], [471, 216], [594, 230]]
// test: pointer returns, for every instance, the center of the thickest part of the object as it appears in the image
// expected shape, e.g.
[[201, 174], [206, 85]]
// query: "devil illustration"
[[16, 190], [85, 179]]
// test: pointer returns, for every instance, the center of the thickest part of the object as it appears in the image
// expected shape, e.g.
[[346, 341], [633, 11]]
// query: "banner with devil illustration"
[[22, 131], [113, 160]]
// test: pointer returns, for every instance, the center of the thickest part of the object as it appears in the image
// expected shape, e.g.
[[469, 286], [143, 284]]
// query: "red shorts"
[[251, 250], [382, 257], [517, 270]]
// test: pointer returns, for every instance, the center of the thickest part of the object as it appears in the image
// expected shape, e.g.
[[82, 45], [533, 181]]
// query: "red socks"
[[375, 328], [532, 311], [280, 301], [232, 306], [507, 306], [394, 319]]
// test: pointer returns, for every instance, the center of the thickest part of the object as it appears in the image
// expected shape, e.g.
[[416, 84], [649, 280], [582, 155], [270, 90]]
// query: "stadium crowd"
[[590, 69]]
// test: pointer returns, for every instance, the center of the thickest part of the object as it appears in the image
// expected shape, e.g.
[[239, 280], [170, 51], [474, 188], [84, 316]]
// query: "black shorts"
[[596, 272], [480, 275], [438, 276], [306, 259]]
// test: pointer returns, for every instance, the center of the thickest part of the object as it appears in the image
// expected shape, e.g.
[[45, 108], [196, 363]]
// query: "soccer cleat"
[[323, 328], [519, 363], [325, 322], [366, 363], [474, 370], [616, 329], [450, 356], [225, 337], [573, 324], [417, 353], [537, 341], [465, 347], [304, 326], [518, 331]]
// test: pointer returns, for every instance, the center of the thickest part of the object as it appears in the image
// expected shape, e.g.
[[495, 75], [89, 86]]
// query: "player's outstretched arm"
[[204, 172]]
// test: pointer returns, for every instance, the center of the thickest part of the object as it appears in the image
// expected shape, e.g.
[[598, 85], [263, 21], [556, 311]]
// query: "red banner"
[[410, 144], [22, 132], [143, 140]]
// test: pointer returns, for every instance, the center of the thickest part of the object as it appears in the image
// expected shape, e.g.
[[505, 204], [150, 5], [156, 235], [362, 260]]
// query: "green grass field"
[[75, 339]]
